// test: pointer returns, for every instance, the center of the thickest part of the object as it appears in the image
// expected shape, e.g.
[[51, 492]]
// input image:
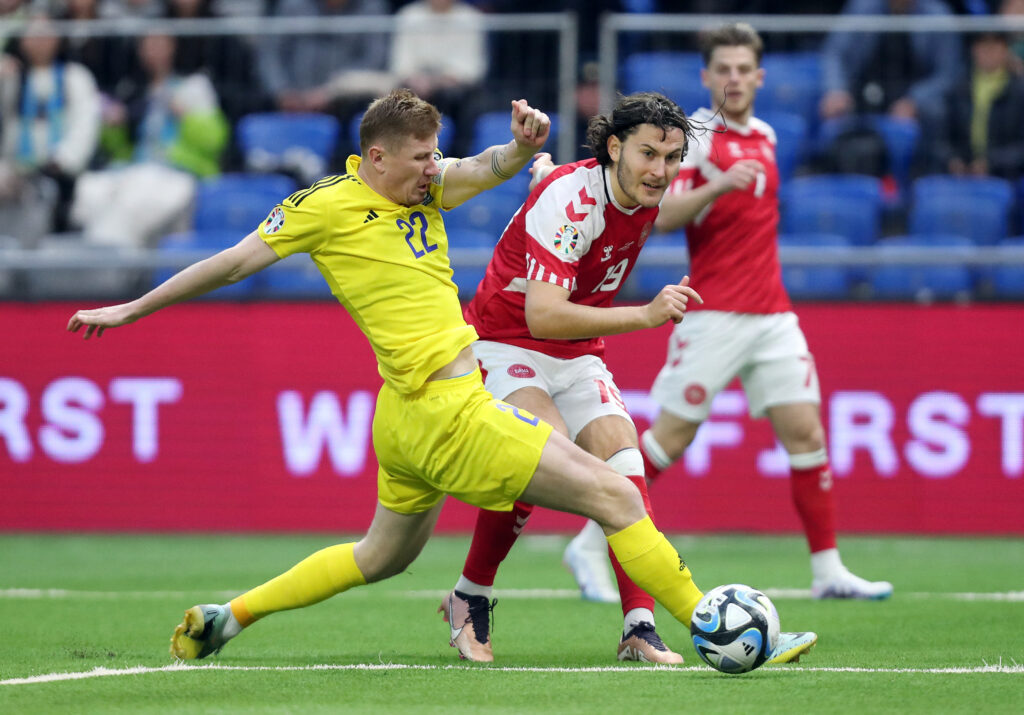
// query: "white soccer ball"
[[735, 628]]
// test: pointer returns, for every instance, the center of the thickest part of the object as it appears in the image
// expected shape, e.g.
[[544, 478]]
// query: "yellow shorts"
[[453, 437]]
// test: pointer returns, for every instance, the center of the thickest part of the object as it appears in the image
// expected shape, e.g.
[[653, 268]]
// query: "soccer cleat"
[[201, 633], [468, 617], [791, 646], [590, 568], [848, 585], [643, 645]]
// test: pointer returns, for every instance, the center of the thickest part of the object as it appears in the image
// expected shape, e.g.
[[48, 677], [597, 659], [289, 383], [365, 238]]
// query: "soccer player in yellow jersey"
[[377, 235]]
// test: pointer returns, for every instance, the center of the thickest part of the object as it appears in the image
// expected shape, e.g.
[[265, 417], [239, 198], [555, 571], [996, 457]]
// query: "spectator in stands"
[[227, 60], [129, 8], [173, 132], [985, 114], [903, 74], [106, 57], [450, 80], [50, 114], [1015, 9], [10, 10], [325, 73]]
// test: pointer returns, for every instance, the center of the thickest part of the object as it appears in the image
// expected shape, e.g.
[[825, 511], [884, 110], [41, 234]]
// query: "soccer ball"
[[735, 628]]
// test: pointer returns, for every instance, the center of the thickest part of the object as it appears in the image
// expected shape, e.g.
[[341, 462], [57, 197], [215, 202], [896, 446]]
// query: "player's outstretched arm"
[[679, 209], [468, 177], [231, 265], [551, 315]]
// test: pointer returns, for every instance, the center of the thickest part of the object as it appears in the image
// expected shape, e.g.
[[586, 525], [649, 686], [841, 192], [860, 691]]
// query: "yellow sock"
[[325, 573], [649, 559]]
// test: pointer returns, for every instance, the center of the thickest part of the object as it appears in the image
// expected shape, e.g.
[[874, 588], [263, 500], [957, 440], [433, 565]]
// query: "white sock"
[[231, 626], [826, 564], [469, 588], [592, 537], [654, 451], [635, 616]]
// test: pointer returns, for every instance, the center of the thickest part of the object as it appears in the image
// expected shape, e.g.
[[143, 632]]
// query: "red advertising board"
[[257, 417]]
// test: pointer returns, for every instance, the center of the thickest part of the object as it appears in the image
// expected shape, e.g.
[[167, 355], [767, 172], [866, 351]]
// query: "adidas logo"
[[370, 216]]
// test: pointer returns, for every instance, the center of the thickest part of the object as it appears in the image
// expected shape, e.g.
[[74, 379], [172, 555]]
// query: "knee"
[[378, 563], [812, 437], [618, 502]]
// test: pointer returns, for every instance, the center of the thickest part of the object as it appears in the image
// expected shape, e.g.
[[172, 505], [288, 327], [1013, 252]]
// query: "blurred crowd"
[[109, 137]]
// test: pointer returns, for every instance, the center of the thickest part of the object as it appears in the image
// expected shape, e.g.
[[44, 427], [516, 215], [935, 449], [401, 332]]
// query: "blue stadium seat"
[[465, 275], [922, 282], [1008, 280], [900, 137], [976, 207], [444, 139], [490, 211], [675, 74], [845, 204], [792, 83], [817, 281], [791, 133], [276, 134], [206, 242], [239, 202]]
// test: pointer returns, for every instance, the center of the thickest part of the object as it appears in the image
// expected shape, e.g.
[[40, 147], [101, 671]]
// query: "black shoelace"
[[646, 631], [481, 614]]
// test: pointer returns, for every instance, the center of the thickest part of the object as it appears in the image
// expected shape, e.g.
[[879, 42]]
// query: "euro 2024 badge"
[[566, 238], [275, 221]]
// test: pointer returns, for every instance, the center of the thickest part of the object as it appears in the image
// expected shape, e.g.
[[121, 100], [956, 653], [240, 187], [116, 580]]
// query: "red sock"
[[652, 470], [812, 495], [493, 537], [631, 595]]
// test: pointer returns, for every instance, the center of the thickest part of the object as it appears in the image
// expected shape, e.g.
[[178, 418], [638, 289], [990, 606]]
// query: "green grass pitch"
[[72, 604]]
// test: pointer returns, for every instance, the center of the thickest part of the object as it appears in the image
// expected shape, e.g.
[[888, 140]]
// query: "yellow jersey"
[[386, 263]]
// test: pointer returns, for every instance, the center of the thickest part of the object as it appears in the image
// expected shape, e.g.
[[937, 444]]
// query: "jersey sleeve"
[[559, 230], [298, 224]]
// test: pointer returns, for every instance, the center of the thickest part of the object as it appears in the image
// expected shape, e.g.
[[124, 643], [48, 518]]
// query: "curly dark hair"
[[629, 113]]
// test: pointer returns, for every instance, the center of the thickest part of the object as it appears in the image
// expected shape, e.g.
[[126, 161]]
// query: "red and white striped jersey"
[[734, 257], [571, 232]]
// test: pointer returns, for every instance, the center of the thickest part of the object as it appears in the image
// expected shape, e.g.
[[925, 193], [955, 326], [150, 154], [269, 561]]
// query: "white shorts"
[[581, 388], [709, 348]]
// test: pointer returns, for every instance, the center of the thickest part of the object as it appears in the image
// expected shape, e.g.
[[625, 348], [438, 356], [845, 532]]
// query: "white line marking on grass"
[[1015, 669], [781, 594]]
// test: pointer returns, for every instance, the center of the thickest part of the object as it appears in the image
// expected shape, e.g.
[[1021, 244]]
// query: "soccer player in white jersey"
[[726, 197], [541, 310]]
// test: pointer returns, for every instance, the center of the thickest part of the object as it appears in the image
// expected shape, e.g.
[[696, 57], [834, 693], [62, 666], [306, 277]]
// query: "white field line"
[[781, 594], [1015, 669]]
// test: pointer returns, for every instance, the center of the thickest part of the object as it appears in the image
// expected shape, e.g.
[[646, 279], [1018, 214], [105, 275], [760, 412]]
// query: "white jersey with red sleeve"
[[734, 258], [570, 232]]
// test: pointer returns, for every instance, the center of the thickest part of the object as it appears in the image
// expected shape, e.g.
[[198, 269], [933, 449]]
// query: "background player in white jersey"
[[726, 197], [541, 310]]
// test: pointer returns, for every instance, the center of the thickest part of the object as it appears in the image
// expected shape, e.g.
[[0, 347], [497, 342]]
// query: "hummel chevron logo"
[[370, 216], [585, 200]]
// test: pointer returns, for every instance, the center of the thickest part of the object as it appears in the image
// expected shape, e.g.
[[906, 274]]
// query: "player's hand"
[[100, 319], [739, 176], [530, 127], [671, 302], [542, 166]]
